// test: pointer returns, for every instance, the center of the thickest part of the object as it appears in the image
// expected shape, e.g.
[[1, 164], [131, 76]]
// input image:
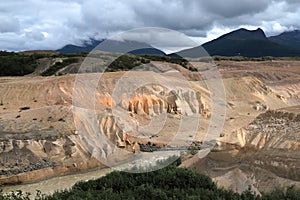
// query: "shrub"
[[25, 108]]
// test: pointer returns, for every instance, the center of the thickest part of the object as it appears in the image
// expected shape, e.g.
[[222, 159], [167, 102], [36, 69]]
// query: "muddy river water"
[[58, 183], [63, 182]]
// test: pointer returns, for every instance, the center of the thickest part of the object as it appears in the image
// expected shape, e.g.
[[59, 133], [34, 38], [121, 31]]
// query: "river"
[[51, 185], [57, 183]]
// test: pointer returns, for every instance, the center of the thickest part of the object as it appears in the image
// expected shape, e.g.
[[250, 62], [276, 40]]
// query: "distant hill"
[[289, 39], [86, 47], [148, 51], [125, 46], [70, 48], [241, 42]]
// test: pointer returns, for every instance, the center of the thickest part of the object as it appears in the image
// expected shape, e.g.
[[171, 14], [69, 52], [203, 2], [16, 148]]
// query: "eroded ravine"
[[42, 137]]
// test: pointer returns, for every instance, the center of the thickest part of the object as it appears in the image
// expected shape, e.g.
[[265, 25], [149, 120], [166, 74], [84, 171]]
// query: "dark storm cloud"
[[233, 8], [50, 24]]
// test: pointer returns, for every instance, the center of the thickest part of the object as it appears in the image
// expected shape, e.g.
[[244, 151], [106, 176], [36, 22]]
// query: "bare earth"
[[48, 129]]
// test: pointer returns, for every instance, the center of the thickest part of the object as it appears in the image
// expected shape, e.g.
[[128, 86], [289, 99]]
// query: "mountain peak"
[[259, 30], [243, 33], [244, 29]]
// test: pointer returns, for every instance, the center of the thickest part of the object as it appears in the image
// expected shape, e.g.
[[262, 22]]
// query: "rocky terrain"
[[48, 128], [262, 152], [40, 132]]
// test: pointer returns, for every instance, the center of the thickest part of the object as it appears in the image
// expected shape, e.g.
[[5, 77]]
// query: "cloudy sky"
[[50, 24]]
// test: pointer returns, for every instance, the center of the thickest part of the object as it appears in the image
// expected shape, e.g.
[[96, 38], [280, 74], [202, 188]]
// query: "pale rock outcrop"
[[155, 100], [237, 181], [6, 146], [109, 127]]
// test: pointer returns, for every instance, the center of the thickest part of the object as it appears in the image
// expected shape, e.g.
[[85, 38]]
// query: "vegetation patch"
[[168, 183], [13, 64], [58, 66], [126, 62], [175, 60]]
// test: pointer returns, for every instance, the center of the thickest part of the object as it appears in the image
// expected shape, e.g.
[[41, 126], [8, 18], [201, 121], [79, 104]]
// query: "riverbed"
[[57, 183], [143, 160]]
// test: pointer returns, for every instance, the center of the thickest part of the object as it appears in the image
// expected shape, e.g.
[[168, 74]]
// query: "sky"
[[51, 24]]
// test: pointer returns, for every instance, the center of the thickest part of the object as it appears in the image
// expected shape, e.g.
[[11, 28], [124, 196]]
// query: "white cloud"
[[50, 24]]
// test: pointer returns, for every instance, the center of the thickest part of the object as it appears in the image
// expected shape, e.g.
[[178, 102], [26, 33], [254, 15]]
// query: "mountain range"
[[124, 46], [241, 42]]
